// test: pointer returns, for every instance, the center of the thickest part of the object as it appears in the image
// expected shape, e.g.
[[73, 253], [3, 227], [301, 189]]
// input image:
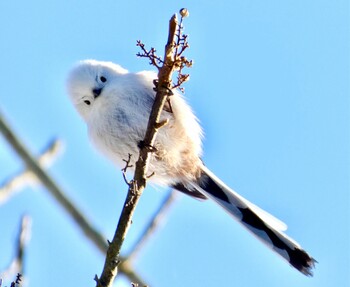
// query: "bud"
[[184, 13]]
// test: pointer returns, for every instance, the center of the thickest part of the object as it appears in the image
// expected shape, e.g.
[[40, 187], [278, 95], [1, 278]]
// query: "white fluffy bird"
[[116, 104]]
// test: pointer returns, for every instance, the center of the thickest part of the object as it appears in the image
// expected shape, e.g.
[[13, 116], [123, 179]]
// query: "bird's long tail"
[[260, 223]]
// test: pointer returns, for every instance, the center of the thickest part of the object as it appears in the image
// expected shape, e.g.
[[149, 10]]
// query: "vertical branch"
[[136, 187], [22, 240]]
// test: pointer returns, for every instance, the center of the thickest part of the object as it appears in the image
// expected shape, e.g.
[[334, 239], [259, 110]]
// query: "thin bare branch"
[[125, 168], [180, 62], [16, 267], [151, 55], [86, 227], [16, 183], [139, 181], [50, 184]]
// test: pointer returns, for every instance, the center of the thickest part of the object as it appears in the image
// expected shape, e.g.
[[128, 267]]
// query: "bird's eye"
[[103, 79], [87, 102]]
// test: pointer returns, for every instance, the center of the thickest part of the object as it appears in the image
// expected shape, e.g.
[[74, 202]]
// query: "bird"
[[116, 104]]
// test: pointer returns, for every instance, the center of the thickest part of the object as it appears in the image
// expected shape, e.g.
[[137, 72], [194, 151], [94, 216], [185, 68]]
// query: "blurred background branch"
[[50, 184], [35, 174], [17, 182], [32, 165], [16, 267]]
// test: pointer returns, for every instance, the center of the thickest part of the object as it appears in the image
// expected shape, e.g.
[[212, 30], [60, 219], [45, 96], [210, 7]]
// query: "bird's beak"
[[96, 92]]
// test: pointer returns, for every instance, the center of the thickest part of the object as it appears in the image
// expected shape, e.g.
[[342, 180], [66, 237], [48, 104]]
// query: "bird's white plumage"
[[116, 104], [117, 119]]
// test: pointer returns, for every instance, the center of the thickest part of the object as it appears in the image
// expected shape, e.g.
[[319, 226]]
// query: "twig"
[[178, 62], [14, 283], [151, 55], [87, 228], [22, 241], [17, 182], [125, 168], [139, 181], [16, 266], [154, 223]]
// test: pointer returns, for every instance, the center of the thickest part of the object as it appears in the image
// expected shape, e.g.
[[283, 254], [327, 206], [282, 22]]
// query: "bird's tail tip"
[[266, 228], [303, 262]]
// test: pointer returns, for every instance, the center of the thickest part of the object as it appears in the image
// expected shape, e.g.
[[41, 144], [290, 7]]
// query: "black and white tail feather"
[[262, 224]]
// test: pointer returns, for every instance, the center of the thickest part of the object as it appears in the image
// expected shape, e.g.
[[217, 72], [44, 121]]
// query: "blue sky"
[[270, 85]]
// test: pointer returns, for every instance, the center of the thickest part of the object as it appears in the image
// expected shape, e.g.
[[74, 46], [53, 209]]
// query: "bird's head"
[[87, 81]]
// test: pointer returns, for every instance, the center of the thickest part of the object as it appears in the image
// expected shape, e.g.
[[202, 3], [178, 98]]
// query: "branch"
[[138, 183], [16, 282], [26, 177], [151, 55], [178, 62], [49, 183], [16, 266], [91, 233]]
